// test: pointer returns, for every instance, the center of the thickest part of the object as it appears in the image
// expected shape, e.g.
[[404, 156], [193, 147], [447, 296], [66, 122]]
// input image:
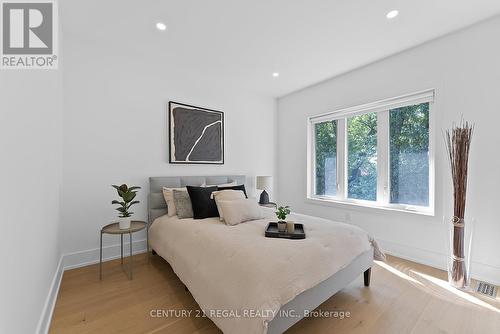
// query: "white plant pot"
[[124, 223], [281, 226]]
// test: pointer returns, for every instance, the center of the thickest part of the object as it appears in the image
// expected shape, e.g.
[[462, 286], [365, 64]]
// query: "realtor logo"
[[29, 35]]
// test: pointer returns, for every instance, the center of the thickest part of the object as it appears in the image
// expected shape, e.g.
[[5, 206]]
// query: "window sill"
[[365, 206]]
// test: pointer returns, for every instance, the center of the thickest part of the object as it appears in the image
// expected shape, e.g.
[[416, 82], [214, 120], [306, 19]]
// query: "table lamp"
[[264, 183]]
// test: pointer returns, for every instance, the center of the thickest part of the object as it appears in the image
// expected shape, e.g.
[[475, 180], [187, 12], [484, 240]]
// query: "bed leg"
[[153, 252], [367, 275]]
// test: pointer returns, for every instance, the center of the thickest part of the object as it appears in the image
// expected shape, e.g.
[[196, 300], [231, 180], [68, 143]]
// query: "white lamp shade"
[[264, 182]]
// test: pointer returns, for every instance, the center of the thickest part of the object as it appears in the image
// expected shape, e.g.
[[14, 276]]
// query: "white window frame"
[[382, 108]]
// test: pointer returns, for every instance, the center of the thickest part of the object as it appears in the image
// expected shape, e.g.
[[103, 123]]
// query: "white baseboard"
[[480, 271], [91, 256], [76, 260], [48, 308]]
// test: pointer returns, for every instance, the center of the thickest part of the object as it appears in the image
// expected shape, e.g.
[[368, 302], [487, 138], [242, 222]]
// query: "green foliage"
[[362, 157], [282, 212], [127, 194], [409, 149], [326, 150]]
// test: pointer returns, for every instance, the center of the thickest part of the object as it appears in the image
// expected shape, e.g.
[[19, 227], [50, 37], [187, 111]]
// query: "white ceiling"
[[244, 42]]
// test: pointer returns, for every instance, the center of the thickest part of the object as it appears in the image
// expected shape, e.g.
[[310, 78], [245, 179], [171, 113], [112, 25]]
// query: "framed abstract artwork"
[[196, 135]]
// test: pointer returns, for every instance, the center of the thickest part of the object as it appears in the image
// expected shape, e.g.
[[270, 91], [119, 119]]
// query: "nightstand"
[[114, 228]]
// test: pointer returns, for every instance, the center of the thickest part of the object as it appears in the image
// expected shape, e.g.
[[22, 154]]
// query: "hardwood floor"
[[404, 297]]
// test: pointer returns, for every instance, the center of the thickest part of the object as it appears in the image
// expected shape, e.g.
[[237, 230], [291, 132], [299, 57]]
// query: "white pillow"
[[240, 210], [226, 195], [168, 194]]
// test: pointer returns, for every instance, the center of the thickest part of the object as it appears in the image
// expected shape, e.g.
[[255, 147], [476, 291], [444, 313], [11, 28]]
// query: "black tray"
[[272, 232]]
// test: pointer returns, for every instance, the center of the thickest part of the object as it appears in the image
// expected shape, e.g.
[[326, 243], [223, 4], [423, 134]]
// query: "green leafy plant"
[[282, 212], [127, 195]]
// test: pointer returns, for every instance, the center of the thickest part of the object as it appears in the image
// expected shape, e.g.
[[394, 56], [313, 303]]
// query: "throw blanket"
[[240, 278]]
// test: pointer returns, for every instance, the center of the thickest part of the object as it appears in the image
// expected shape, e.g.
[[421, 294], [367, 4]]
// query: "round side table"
[[114, 228], [269, 205]]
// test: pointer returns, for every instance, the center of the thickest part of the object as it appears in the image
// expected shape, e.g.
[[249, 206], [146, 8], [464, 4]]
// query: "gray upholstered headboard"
[[156, 203]]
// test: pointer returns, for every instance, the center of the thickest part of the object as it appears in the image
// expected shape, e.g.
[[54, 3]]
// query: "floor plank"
[[404, 297]]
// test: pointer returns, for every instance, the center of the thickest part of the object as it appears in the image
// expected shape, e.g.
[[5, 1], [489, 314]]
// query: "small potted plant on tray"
[[127, 195], [282, 212]]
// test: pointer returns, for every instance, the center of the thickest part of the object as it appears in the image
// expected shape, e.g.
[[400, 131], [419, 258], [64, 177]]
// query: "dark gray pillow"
[[182, 203], [238, 187], [203, 205]]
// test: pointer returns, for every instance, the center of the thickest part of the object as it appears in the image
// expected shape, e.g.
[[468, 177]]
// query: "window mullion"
[[383, 157], [311, 156], [341, 159], [431, 154]]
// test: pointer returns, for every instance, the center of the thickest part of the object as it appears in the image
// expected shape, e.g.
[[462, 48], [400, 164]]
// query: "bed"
[[246, 283]]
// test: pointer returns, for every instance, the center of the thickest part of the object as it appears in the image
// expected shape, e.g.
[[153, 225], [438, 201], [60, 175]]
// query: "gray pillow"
[[182, 203]]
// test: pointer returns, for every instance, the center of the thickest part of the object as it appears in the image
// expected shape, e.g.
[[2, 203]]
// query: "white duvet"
[[240, 278]]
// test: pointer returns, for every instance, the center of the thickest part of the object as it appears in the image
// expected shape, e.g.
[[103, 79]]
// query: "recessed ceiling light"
[[392, 14], [276, 74], [161, 26]]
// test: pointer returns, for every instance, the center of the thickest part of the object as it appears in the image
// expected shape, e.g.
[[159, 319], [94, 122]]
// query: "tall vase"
[[460, 244]]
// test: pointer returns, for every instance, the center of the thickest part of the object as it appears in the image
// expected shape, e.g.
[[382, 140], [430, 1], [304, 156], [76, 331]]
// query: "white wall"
[[115, 130], [464, 69], [30, 178]]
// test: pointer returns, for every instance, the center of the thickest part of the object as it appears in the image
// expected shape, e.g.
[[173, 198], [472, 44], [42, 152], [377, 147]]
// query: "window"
[[409, 154], [376, 155], [362, 157], [326, 157]]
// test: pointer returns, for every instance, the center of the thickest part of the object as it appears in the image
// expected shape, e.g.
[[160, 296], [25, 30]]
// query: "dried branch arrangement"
[[458, 141]]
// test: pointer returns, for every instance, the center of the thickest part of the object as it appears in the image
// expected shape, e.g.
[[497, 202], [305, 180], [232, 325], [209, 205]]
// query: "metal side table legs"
[[114, 228]]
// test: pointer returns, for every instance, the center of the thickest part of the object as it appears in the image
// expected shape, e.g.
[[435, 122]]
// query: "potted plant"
[[282, 212], [127, 195]]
